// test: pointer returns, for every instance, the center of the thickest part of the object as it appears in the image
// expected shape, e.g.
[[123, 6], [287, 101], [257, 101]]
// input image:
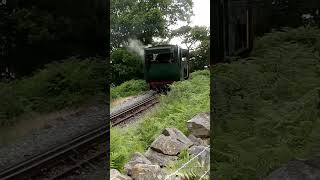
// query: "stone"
[[197, 141], [298, 169], [206, 141], [199, 125], [159, 158], [147, 172], [116, 175], [137, 158], [167, 145], [204, 157], [178, 135]]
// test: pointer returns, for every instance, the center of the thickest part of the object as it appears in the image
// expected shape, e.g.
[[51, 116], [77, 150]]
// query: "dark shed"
[[232, 29]]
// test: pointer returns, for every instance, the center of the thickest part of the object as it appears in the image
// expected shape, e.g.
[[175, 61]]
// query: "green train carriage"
[[164, 65]]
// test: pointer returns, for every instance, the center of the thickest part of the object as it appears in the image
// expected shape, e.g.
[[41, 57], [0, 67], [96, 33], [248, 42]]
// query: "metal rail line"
[[87, 143]]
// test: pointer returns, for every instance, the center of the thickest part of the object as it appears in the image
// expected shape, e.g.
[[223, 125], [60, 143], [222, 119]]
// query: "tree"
[[145, 19], [36, 33], [125, 66], [190, 36], [7, 39], [200, 57], [197, 40], [275, 14]]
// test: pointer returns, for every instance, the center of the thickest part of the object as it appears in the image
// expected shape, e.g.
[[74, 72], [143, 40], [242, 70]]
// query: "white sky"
[[201, 17]]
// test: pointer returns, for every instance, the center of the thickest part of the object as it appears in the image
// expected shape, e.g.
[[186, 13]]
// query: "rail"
[[31, 167]]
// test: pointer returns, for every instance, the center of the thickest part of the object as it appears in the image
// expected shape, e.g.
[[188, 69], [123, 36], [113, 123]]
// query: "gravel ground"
[[101, 173], [56, 132], [131, 102], [59, 131]]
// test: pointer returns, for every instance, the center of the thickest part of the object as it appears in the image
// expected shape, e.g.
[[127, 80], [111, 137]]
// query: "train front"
[[161, 66]]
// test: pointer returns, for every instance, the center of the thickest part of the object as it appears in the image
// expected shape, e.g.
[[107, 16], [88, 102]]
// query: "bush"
[[266, 106], [128, 88], [185, 100], [57, 86], [125, 66]]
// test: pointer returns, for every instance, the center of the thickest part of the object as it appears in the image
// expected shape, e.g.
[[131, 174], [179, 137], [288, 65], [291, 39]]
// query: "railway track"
[[82, 152]]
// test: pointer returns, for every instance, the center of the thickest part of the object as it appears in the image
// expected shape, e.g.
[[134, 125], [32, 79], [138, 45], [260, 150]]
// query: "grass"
[[128, 88], [267, 106], [59, 85], [185, 100]]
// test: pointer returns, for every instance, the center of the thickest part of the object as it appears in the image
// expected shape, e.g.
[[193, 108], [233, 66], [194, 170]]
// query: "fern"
[[192, 171]]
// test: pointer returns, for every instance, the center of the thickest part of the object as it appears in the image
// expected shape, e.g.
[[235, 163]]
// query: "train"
[[165, 64]]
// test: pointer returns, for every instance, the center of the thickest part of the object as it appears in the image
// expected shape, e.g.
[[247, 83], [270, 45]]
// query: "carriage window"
[[160, 58]]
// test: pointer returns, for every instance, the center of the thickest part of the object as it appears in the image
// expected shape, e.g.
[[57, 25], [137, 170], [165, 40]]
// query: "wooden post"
[[218, 31]]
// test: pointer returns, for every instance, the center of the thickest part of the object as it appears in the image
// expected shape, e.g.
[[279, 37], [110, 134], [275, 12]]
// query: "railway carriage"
[[165, 64]]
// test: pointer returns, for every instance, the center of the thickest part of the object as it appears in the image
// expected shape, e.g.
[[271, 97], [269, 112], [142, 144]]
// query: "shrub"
[[125, 66], [58, 85], [128, 88]]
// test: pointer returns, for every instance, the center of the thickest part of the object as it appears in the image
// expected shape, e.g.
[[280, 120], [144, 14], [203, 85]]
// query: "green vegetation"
[[267, 106], [57, 86], [199, 54], [145, 19], [185, 100], [35, 33], [125, 66], [192, 171], [128, 88]]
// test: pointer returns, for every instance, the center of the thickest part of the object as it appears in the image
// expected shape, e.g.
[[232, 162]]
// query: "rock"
[[315, 161], [137, 158], [116, 175], [178, 135], [199, 125], [298, 169], [158, 158], [204, 157], [167, 145], [147, 172], [197, 141], [206, 141]]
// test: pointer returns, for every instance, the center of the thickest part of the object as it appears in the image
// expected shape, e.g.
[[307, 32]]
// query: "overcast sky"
[[201, 10]]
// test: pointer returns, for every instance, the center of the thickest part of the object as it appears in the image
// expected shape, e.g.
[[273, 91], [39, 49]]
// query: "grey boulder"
[[199, 125]]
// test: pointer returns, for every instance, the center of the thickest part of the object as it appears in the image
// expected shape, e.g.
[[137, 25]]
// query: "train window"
[[160, 58]]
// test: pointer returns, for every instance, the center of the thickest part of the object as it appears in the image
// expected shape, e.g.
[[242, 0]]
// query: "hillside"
[[185, 100], [267, 106]]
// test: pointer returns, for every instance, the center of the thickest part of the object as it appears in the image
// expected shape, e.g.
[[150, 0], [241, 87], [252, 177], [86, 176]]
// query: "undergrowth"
[[185, 100], [266, 107], [128, 88], [58, 85], [194, 169]]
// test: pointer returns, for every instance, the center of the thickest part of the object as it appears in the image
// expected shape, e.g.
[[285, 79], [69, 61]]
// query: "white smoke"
[[137, 47]]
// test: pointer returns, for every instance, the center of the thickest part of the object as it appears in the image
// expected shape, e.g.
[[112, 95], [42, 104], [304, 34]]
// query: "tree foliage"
[[275, 14], [190, 36], [39, 32], [125, 66], [197, 40], [145, 19]]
